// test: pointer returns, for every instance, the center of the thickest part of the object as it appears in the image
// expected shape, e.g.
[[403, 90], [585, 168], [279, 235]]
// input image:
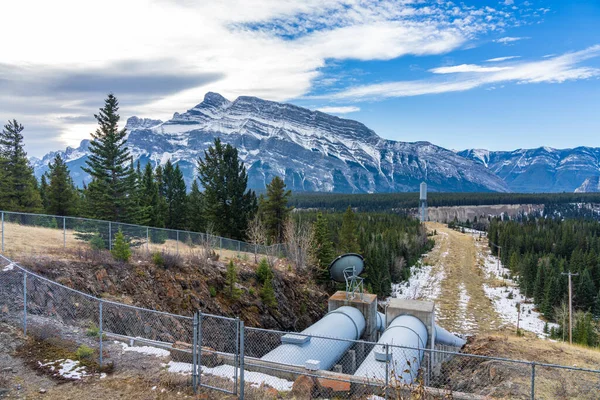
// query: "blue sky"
[[488, 74]]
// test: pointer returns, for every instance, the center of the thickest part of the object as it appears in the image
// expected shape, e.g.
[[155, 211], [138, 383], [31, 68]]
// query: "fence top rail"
[[130, 225]]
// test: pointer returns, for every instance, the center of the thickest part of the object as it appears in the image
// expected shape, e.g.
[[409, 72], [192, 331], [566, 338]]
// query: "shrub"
[[171, 260], [231, 281], [96, 242], [84, 353], [92, 331], [251, 292], [212, 291], [158, 259], [263, 272], [267, 294], [121, 251]]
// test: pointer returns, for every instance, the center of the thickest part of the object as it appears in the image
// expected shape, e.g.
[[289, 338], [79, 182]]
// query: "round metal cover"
[[349, 260]]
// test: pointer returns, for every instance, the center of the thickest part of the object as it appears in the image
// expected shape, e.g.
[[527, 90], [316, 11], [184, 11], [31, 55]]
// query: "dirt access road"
[[456, 283]]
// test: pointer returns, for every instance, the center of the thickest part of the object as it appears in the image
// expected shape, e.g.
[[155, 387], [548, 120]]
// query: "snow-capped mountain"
[[311, 150], [590, 185], [540, 170]]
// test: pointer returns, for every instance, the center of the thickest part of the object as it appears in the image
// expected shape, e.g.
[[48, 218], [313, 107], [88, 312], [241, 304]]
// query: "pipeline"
[[296, 349], [405, 361]]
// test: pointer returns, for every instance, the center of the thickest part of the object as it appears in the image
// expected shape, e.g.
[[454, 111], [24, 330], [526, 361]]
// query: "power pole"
[[499, 254], [569, 274]]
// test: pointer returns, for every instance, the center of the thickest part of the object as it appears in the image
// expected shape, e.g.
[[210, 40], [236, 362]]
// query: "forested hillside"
[[539, 251], [399, 201], [390, 243]]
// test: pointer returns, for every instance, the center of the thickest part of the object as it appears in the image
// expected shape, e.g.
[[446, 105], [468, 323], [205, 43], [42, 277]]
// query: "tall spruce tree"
[[62, 196], [44, 192], [110, 195], [175, 196], [229, 205], [348, 233], [149, 198], [274, 209], [162, 208], [20, 191], [322, 248], [195, 209]]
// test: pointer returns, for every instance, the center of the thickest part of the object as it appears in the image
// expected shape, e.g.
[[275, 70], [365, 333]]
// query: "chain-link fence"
[[39, 233], [220, 354]]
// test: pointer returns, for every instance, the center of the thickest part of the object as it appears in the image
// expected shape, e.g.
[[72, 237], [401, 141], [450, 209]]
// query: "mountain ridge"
[[311, 150]]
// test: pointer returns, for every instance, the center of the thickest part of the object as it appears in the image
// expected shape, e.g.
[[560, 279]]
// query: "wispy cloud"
[[509, 39], [557, 69], [339, 110], [500, 59], [272, 49], [509, 2], [465, 68]]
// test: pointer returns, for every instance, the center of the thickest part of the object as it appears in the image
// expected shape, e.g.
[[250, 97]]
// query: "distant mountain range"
[[315, 151], [540, 170]]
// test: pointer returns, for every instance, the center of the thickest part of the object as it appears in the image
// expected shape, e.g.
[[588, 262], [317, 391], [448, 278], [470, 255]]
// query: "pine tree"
[[175, 196], [231, 279], [267, 293], [149, 198], [120, 250], [20, 191], [263, 272], [162, 206], [195, 209], [585, 294], [322, 248], [61, 194], [274, 209], [348, 233], [44, 192], [229, 205], [110, 195]]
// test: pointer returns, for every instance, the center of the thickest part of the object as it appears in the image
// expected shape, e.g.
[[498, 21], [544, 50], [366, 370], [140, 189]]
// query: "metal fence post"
[[109, 235], [220, 247], [194, 353], [242, 330], [147, 239], [236, 357], [100, 330], [24, 303], [2, 231], [199, 344], [387, 370], [64, 233], [177, 243], [533, 380]]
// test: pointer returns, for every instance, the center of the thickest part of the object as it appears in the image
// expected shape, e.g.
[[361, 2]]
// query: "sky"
[[501, 74]]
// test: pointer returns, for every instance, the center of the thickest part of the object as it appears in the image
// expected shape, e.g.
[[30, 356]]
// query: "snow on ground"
[[66, 368], [148, 350], [463, 303], [505, 298], [423, 284], [9, 267], [256, 379]]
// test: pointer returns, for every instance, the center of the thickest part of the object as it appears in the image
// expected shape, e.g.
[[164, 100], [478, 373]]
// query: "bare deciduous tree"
[[298, 239], [257, 234]]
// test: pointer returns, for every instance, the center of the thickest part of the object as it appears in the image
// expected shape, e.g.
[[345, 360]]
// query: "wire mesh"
[[560, 383], [218, 355], [11, 291]]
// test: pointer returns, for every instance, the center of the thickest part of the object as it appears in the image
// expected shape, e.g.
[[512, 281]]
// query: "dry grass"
[[25, 239], [455, 256]]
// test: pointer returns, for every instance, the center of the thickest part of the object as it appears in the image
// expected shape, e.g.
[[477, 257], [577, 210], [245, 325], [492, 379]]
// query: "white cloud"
[[509, 2], [466, 68], [500, 59], [272, 49], [339, 110], [557, 69], [509, 39]]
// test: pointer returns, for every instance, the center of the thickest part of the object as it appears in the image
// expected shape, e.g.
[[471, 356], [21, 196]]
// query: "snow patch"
[[256, 379], [148, 350], [9, 267], [68, 369]]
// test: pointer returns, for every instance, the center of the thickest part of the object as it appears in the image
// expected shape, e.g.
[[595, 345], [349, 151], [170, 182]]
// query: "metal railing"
[[220, 354], [42, 233]]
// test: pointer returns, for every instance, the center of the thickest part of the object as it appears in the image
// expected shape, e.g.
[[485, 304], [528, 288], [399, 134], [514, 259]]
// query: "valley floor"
[[471, 290]]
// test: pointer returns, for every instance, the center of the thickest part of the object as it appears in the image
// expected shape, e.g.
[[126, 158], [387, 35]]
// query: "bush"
[[92, 331], [267, 294], [121, 251], [263, 272], [84, 353], [158, 259], [231, 281], [212, 291], [96, 242]]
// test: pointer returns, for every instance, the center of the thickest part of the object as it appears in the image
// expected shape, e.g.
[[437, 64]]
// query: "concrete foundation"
[[367, 306], [423, 310]]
